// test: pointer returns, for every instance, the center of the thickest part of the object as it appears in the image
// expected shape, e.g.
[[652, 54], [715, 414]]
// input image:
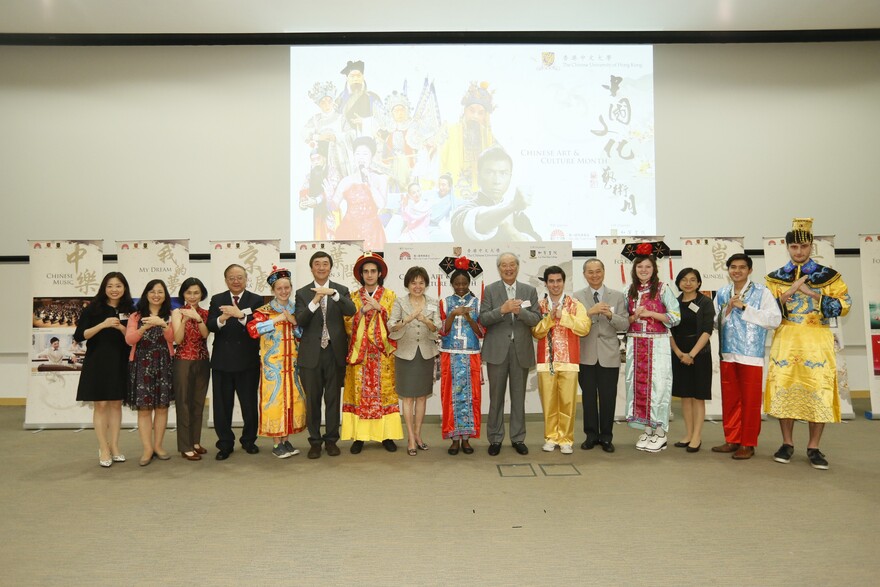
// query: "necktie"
[[325, 334], [511, 294], [595, 297], [235, 300]]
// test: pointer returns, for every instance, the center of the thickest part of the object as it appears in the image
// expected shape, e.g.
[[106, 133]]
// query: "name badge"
[[526, 304], [693, 307], [246, 311], [123, 316]]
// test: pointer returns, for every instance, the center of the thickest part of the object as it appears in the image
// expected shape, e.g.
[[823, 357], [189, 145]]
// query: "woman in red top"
[[191, 369]]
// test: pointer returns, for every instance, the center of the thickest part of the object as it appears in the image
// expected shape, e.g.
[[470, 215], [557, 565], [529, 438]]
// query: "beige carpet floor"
[[377, 518]]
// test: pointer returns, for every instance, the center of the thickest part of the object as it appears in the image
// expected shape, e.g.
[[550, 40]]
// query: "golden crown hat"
[[802, 230]]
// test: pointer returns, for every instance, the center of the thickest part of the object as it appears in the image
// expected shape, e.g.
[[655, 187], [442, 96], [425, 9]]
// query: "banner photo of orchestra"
[[65, 274], [483, 143], [870, 257]]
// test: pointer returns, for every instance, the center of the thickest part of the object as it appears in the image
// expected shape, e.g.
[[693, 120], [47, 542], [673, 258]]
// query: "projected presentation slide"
[[471, 143]]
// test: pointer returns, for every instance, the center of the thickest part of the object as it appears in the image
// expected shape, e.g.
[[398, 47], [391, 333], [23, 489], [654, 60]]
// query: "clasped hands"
[[154, 321], [320, 292], [799, 286], [284, 316], [601, 308], [511, 307]]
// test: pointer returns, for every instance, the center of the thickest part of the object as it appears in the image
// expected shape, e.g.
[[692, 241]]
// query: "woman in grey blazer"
[[414, 323]]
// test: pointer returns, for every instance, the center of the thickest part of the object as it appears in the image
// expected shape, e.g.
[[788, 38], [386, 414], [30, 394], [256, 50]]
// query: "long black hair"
[[126, 304], [143, 305]]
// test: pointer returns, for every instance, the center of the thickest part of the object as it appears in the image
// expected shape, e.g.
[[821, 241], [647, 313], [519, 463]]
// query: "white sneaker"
[[643, 442], [549, 446], [656, 443], [565, 449]]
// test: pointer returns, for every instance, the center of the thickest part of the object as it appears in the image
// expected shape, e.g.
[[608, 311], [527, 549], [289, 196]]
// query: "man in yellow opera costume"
[[802, 374]]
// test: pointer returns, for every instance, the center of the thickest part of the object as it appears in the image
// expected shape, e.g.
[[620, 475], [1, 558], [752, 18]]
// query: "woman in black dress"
[[105, 367], [692, 361]]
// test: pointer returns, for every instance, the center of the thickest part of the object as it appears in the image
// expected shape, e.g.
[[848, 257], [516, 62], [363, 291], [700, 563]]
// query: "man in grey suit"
[[508, 312], [320, 310], [600, 355]]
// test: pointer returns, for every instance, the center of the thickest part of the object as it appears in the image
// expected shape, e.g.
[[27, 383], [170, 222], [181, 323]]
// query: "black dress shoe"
[[588, 444], [332, 449], [252, 449], [494, 449], [466, 448], [521, 448], [357, 446], [223, 455], [389, 445], [608, 446], [314, 451]]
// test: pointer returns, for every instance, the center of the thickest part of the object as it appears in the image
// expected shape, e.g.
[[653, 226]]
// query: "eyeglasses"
[[236, 278]]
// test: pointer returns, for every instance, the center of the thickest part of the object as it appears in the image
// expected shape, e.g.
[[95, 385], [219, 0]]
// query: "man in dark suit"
[[600, 355], [320, 310], [235, 362], [508, 312]]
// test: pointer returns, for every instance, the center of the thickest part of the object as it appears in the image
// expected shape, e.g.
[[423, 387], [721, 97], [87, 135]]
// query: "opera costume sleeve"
[[670, 302]]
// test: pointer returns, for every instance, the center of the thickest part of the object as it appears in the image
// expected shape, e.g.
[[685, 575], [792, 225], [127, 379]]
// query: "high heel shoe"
[[162, 456], [422, 445], [200, 449], [117, 458], [106, 464]]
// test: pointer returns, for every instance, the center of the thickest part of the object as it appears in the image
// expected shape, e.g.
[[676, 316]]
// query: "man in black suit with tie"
[[235, 362], [321, 308]]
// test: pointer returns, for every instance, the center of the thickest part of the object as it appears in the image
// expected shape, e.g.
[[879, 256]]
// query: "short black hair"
[[318, 255], [54, 339], [684, 273], [188, 283], [553, 270], [739, 257], [414, 272]]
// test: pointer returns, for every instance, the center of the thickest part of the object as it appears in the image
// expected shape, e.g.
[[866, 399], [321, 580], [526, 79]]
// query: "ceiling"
[[231, 17]]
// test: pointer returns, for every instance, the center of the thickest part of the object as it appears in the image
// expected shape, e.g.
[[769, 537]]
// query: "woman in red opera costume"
[[364, 196]]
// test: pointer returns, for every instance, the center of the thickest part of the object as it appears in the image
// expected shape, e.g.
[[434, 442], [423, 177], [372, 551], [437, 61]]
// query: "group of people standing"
[[288, 359]]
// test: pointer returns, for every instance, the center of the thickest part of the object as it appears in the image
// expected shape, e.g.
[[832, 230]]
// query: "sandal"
[[422, 445], [411, 452]]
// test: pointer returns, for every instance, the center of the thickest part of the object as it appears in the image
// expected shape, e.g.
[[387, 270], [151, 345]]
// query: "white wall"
[[192, 142]]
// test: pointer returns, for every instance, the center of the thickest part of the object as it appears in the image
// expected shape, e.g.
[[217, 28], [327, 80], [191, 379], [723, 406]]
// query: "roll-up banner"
[[709, 255], [144, 260], [65, 276], [870, 257]]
